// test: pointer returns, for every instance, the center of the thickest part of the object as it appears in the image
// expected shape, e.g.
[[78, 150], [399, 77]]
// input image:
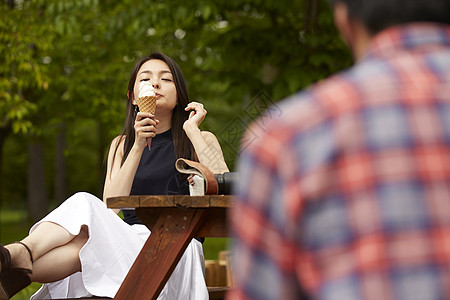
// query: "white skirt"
[[111, 249]]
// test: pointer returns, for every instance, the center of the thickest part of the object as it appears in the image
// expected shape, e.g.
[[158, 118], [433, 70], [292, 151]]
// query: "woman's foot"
[[21, 257], [5, 258], [15, 270]]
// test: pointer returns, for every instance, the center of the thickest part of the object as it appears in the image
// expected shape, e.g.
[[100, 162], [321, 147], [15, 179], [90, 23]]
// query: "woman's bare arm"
[[205, 143], [119, 178], [208, 151]]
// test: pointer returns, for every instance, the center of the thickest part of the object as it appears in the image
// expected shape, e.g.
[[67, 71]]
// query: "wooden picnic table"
[[173, 220]]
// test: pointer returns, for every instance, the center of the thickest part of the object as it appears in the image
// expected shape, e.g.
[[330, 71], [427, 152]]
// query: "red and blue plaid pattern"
[[346, 195]]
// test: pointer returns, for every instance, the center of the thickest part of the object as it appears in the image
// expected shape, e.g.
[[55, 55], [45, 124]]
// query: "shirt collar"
[[407, 37]]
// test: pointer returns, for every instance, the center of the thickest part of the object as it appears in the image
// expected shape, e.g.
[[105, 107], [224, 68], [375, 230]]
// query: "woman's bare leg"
[[46, 237], [60, 262]]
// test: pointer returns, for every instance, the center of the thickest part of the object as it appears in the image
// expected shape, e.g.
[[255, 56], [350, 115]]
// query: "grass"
[[14, 226]]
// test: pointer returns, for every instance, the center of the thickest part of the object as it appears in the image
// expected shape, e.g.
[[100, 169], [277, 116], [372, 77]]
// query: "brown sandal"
[[5, 258], [12, 280], [28, 249]]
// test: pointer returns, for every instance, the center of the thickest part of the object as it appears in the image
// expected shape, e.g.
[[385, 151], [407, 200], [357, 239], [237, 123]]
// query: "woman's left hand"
[[196, 117]]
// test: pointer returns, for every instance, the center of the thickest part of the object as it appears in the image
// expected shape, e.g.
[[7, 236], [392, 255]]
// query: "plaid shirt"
[[346, 194]]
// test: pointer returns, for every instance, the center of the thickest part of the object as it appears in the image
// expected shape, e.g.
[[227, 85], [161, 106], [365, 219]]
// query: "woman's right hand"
[[144, 128]]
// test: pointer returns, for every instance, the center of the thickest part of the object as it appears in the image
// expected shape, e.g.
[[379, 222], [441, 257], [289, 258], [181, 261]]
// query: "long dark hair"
[[182, 144]]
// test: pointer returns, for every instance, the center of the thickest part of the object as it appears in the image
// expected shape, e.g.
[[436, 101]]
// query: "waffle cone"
[[147, 104]]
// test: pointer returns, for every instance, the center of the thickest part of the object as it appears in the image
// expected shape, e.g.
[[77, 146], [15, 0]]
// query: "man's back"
[[347, 196]]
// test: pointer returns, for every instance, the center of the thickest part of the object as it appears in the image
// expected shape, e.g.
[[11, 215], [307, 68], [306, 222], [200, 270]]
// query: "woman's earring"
[[135, 110]]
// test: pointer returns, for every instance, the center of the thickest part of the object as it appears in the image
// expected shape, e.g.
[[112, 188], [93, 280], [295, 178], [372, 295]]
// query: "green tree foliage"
[[21, 35], [64, 68], [240, 56]]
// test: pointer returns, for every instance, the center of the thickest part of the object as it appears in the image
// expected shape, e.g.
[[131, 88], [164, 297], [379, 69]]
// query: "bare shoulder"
[[117, 142]]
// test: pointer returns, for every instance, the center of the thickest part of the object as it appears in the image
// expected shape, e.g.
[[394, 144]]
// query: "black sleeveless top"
[[156, 173]]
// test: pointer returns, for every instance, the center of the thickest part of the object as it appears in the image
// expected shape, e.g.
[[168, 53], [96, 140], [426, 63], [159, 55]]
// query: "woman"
[[82, 248]]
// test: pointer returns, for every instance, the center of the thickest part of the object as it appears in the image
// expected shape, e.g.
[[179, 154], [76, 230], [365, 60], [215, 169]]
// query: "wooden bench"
[[215, 293]]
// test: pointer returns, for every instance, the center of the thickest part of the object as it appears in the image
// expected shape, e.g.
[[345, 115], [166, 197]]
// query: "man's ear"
[[352, 30], [343, 23]]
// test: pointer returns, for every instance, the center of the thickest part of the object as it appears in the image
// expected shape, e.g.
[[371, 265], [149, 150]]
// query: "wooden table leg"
[[170, 236]]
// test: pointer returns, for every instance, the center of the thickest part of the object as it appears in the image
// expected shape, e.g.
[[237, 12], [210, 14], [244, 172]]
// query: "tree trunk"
[[10, 3], [311, 13], [60, 167], [102, 152], [37, 196], [4, 131]]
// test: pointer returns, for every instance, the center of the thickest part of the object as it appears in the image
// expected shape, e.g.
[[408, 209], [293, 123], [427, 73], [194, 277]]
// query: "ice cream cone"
[[147, 104]]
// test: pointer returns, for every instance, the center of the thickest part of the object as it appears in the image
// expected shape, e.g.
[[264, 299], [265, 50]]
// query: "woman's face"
[[158, 73]]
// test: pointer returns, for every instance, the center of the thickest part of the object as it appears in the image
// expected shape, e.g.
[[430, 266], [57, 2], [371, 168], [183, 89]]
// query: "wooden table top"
[[186, 201]]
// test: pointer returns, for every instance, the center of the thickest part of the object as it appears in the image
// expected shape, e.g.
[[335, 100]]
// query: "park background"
[[64, 69]]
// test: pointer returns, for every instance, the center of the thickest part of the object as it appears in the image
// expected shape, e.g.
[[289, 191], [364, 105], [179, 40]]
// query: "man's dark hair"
[[381, 14]]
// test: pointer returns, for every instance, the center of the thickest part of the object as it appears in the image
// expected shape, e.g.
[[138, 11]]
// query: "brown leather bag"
[[187, 166]]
